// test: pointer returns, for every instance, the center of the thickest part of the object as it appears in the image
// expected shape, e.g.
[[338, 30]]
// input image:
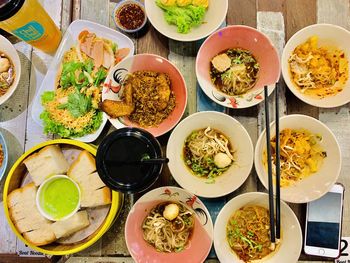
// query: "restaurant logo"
[[31, 31]]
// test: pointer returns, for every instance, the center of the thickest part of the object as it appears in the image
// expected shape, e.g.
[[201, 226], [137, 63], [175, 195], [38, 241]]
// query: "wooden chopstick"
[[269, 168], [278, 167]]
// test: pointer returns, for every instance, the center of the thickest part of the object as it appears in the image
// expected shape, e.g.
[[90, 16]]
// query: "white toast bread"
[[71, 225], [41, 236], [97, 197], [93, 191], [19, 195], [83, 165], [27, 218], [48, 161]]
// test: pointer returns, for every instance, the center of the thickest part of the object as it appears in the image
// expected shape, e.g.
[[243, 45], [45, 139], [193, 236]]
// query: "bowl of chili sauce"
[[130, 16]]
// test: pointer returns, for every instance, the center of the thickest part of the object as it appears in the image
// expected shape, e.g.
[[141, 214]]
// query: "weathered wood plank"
[[299, 14], [152, 42], [183, 55], [96, 11], [241, 13], [113, 242], [7, 237], [100, 260], [244, 13], [338, 119], [270, 6], [67, 12]]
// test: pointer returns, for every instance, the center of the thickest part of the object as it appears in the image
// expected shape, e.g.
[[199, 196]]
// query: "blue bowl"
[[4, 162]]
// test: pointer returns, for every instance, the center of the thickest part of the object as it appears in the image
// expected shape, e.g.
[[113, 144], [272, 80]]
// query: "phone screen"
[[324, 221]]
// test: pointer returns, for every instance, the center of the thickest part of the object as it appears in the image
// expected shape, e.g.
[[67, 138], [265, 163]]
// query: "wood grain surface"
[[279, 19]]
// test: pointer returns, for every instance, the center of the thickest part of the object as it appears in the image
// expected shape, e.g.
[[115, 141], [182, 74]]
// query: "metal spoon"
[[218, 96]]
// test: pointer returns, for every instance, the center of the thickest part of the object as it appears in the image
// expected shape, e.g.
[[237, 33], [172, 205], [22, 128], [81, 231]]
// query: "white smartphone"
[[323, 224]]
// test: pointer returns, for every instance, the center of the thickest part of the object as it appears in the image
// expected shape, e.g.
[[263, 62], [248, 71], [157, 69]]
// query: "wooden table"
[[279, 19]]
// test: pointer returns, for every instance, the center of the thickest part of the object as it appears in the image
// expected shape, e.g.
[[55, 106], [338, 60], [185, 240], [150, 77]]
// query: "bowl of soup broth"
[[234, 64], [121, 159], [10, 69], [241, 232]]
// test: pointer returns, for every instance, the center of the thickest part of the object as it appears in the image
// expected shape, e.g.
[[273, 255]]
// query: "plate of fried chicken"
[[145, 91]]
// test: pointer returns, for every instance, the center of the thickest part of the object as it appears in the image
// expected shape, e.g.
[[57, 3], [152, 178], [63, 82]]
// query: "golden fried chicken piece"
[[163, 90], [117, 109]]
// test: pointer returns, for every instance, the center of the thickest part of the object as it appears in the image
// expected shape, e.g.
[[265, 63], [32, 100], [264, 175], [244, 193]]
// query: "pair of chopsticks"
[[273, 235]]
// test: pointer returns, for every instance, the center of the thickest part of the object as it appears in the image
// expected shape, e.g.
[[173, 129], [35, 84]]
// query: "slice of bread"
[[82, 166], [36, 221], [25, 193], [90, 182], [27, 218], [41, 236], [96, 197], [71, 225], [48, 161]]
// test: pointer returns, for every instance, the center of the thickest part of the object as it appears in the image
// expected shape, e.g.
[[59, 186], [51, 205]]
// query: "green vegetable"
[[53, 127], [70, 71], [88, 66], [114, 47], [68, 74], [78, 104], [183, 17], [47, 96], [100, 76]]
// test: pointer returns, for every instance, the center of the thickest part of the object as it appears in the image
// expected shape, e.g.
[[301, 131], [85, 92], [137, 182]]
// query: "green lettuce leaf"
[[47, 96], [52, 127], [78, 104], [183, 17]]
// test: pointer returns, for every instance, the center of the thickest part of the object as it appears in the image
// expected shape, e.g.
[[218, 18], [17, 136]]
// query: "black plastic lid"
[[125, 145], [10, 8]]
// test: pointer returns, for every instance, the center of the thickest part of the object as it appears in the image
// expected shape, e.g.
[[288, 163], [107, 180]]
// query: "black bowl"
[[117, 156]]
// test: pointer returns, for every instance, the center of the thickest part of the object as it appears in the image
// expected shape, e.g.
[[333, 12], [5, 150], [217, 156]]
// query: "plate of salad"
[[67, 103], [186, 20]]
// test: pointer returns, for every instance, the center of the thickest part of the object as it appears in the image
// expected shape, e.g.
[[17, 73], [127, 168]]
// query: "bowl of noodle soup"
[[169, 224], [310, 158], [10, 69], [240, 236], [315, 65], [233, 65], [210, 154]]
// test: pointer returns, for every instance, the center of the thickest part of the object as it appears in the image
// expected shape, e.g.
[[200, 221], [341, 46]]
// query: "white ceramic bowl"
[[231, 179], [214, 17], [291, 236], [10, 51], [317, 184], [42, 188], [3, 166], [329, 35]]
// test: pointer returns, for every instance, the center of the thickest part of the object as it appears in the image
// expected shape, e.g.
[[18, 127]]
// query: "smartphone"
[[323, 224]]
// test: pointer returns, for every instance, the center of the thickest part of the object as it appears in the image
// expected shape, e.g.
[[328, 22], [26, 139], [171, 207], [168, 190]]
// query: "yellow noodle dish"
[[300, 155], [248, 233], [318, 71]]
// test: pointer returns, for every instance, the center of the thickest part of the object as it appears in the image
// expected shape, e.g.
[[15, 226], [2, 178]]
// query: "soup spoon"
[[218, 96]]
